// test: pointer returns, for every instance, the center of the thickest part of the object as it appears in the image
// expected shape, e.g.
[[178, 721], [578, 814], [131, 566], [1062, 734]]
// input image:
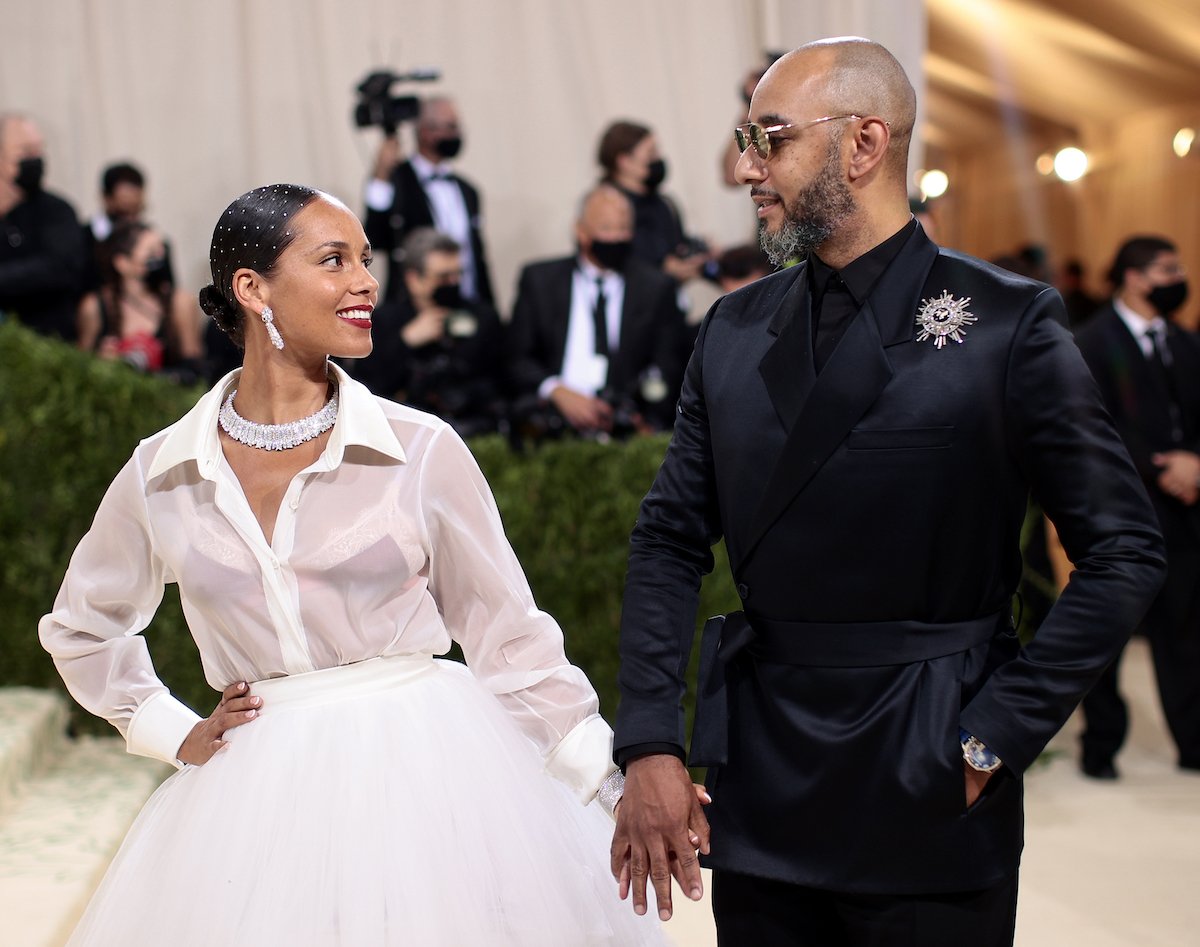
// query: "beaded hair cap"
[[253, 232]]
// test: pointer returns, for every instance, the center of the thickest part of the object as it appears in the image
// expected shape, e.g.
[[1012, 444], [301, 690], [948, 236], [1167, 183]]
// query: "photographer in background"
[[42, 258], [424, 191], [435, 349], [630, 159], [595, 337]]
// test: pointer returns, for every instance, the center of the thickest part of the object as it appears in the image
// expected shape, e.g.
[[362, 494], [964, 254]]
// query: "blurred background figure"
[[1034, 262], [595, 338], [425, 191], [1148, 370], [137, 314], [741, 265], [122, 197], [42, 257], [630, 160], [435, 349], [1081, 305], [730, 154]]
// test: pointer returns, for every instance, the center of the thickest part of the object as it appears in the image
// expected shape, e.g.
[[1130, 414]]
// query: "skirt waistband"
[[346, 680]]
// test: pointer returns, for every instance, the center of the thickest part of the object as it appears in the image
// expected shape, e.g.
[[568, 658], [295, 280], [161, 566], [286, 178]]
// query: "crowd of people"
[[597, 339]]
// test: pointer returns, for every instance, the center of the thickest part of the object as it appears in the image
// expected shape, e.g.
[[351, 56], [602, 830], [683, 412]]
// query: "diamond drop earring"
[[268, 319]]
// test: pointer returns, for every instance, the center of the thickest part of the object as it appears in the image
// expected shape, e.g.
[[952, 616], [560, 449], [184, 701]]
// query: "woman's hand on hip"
[[236, 708]]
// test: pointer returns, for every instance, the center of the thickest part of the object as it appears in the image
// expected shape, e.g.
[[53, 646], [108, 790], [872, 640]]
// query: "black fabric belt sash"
[[814, 644]]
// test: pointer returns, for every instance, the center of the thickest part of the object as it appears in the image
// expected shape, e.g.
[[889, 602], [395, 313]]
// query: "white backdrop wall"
[[213, 98]]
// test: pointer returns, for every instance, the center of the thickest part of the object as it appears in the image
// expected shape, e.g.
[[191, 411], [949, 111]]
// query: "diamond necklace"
[[276, 436]]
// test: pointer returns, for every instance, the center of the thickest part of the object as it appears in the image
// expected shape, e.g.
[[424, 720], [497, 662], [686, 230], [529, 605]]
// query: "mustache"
[[757, 190]]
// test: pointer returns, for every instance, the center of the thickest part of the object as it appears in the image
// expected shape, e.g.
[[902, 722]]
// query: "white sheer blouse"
[[390, 543]]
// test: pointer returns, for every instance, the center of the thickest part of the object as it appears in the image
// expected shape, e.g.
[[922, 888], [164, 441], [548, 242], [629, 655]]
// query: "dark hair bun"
[[227, 316], [213, 303]]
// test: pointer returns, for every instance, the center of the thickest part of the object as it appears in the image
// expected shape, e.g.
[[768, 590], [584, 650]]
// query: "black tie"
[[834, 311], [600, 318], [1162, 362]]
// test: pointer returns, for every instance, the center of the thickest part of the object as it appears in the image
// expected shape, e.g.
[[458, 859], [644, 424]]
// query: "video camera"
[[376, 104]]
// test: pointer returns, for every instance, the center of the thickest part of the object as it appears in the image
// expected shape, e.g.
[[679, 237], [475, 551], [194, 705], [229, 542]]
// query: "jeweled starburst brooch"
[[944, 317]]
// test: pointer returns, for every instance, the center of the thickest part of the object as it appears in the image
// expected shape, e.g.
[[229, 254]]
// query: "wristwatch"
[[976, 753]]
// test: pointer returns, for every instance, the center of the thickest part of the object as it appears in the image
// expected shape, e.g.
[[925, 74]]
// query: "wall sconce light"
[[1070, 164], [934, 183], [1182, 144]]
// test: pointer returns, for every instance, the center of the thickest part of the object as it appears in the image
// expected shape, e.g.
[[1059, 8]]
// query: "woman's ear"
[[250, 290], [870, 145]]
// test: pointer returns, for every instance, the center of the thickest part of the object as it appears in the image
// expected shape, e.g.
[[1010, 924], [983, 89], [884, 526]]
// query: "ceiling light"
[[1070, 164], [934, 183], [1183, 141]]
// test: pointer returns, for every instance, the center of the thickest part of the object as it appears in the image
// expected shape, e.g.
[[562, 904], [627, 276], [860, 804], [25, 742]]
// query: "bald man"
[[595, 338], [42, 254], [863, 430]]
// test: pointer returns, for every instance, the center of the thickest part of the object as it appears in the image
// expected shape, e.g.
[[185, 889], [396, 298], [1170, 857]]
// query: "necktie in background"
[[600, 319], [1160, 358]]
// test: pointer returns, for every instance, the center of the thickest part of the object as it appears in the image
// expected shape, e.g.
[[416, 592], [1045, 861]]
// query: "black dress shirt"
[[838, 294]]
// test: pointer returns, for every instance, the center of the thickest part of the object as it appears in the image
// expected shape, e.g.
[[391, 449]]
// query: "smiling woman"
[[347, 788]]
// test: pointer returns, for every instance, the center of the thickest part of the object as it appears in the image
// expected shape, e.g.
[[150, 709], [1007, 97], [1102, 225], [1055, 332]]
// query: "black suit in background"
[[651, 328], [410, 210], [872, 513], [42, 264], [1139, 399], [459, 377]]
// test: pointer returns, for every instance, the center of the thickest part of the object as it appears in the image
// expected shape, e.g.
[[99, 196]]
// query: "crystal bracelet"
[[611, 791]]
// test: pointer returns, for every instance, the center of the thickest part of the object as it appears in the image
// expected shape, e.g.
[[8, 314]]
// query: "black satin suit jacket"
[[888, 490]]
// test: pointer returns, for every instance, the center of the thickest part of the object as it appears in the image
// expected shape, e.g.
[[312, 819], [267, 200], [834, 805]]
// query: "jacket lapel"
[[787, 368], [825, 407], [558, 311]]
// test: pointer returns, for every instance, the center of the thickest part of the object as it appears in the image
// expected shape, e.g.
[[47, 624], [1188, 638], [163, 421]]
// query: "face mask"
[[448, 296], [157, 274], [29, 175], [448, 147], [1166, 299], [656, 173], [611, 254]]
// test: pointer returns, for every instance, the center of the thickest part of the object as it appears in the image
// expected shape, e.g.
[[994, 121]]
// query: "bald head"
[[852, 75], [19, 131], [20, 139], [439, 134], [604, 228], [606, 214]]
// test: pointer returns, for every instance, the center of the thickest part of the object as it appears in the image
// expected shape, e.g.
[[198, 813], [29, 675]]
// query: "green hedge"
[[68, 422]]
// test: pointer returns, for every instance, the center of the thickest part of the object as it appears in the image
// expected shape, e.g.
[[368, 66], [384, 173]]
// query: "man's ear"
[[869, 147], [250, 290]]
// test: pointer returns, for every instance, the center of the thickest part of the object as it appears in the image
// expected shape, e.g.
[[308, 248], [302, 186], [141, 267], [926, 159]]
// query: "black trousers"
[[1175, 649], [757, 912]]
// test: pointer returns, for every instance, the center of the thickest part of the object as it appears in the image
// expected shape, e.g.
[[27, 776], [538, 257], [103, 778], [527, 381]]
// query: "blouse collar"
[[360, 422]]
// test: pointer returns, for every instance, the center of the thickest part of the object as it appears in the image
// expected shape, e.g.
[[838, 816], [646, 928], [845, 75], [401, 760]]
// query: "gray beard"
[[816, 215]]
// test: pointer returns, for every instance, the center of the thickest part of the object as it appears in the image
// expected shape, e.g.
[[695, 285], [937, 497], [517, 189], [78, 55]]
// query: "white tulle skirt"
[[389, 802]]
